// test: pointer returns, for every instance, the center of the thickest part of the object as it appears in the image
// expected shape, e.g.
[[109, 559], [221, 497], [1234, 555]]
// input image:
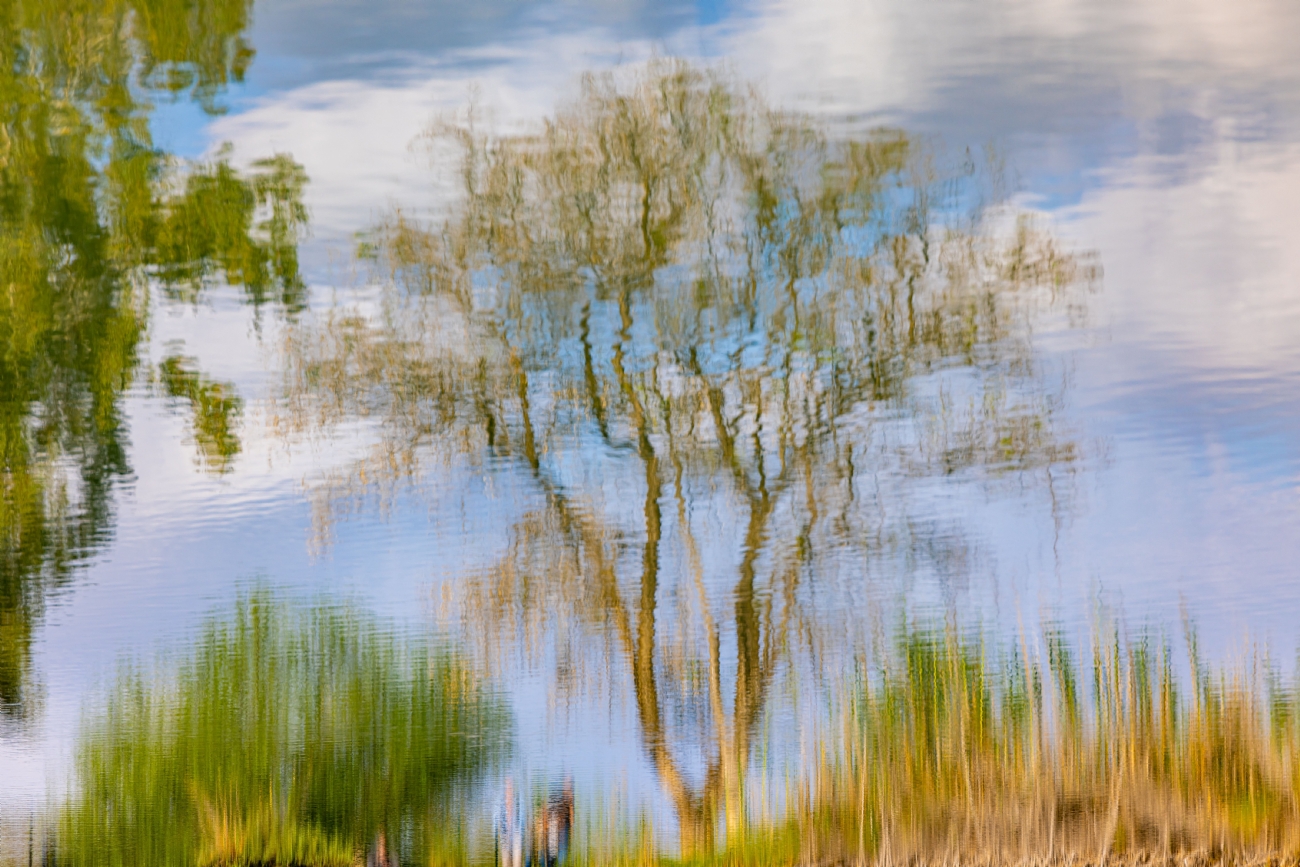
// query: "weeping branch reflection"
[[92, 215], [771, 336]]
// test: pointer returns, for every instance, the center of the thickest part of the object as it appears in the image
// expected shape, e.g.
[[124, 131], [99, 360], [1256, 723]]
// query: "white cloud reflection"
[[1162, 133], [1183, 178]]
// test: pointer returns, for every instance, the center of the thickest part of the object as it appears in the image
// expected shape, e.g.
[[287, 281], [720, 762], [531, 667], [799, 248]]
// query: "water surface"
[[691, 477]]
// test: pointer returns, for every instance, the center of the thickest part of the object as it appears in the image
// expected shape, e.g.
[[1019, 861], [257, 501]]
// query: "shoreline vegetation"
[[953, 751], [948, 749], [290, 734]]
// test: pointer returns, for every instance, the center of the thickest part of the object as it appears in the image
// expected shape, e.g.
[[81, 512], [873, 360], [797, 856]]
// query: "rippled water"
[[666, 419]]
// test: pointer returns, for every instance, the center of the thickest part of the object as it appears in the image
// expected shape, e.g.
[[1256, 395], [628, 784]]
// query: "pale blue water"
[[1163, 136]]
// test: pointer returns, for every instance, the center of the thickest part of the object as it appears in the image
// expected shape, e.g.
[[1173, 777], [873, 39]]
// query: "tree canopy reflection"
[[92, 215], [771, 335]]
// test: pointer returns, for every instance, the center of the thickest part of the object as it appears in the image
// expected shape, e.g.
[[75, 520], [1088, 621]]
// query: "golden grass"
[[949, 750], [952, 753]]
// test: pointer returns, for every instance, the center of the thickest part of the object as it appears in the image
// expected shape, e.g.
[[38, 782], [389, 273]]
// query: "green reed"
[[290, 735]]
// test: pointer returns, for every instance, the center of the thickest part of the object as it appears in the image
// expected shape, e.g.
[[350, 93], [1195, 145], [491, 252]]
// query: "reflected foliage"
[[190, 47], [216, 409], [211, 229], [725, 351], [91, 214], [290, 735]]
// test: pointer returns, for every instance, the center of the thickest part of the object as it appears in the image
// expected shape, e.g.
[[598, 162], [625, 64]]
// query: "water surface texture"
[[640, 371]]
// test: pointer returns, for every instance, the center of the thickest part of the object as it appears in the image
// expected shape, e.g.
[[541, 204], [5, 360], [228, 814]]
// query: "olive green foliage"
[[90, 213], [216, 409], [193, 47], [211, 227], [291, 734]]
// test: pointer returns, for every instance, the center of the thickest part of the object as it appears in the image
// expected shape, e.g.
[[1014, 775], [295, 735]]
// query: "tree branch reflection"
[[675, 289]]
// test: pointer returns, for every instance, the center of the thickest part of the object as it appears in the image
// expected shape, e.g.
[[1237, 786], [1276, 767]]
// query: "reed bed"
[[311, 735], [952, 751]]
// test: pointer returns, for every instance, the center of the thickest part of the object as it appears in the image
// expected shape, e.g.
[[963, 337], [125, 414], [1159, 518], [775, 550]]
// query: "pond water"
[[659, 358]]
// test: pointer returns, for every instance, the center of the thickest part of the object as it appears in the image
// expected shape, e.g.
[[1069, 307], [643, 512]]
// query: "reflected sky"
[[1163, 135], [1072, 88]]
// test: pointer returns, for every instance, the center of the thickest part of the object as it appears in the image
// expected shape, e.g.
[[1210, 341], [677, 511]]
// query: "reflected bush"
[[290, 735]]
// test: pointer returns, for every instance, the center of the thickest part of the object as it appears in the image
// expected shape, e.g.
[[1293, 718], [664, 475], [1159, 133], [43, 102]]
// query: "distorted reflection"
[[724, 350], [953, 744], [291, 734], [182, 47], [211, 228], [92, 215], [216, 409]]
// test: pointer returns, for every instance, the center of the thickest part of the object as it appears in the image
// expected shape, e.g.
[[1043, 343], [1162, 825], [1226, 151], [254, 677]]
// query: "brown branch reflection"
[[772, 336]]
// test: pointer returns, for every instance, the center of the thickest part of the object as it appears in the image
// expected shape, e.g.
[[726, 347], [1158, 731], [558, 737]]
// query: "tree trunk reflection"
[[675, 289]]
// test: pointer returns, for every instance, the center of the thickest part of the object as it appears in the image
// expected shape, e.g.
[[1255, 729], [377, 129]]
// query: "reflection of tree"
[[216, 409], [211, 228], [87, 215], [192, 48], [771, 335], [290, 735]]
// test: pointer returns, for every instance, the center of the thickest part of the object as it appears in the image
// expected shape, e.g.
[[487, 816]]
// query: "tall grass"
[[290, 735], [953, 750], [949, 747]]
